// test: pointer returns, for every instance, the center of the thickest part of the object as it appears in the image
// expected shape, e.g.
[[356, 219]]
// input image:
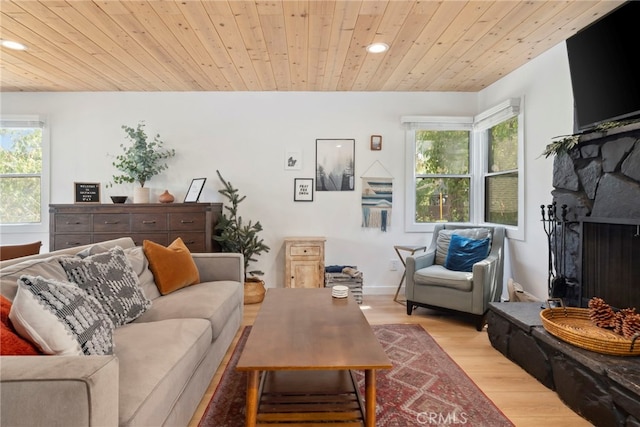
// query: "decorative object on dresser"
[[193, 193], [75, 225], [304, 262], [166, 197], [234, 236], [119, 199], [86, 192], [140, 161]]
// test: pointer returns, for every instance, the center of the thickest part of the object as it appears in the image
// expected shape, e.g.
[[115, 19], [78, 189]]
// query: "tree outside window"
[[20, 175], [442, 176], [501, 180], [465, 169]]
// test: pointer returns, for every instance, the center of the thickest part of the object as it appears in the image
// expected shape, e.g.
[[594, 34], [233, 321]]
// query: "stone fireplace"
[[599, 182]]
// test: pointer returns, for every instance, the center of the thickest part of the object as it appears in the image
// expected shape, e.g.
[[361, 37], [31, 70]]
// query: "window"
[[466, 170], [23, 182], [501, 178], [442, 175]]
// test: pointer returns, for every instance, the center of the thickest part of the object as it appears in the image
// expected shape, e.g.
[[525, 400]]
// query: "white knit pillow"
[[60, 318]]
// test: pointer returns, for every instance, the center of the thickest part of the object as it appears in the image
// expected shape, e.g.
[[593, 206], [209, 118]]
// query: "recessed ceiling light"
[[377, 47], [9, 44]]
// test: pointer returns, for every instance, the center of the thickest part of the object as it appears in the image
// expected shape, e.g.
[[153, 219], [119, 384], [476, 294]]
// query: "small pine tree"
[[234, 236]]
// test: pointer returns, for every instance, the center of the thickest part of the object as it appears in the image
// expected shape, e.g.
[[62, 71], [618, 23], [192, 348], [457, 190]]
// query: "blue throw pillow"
[[464, 252]]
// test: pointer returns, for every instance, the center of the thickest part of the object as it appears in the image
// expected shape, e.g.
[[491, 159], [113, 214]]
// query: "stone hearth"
[[599, 181], [603, 389]]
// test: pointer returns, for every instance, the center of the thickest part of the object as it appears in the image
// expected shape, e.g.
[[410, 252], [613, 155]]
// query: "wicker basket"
[[574, 326], [254, 291]]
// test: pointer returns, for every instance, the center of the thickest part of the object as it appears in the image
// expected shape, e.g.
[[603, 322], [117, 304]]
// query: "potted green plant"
[[140, 161], [234, 235]]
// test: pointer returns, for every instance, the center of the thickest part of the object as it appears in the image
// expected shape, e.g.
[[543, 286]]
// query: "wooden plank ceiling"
[[199, 45]]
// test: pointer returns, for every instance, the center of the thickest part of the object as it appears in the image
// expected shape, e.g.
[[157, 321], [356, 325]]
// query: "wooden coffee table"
[[300, 357]]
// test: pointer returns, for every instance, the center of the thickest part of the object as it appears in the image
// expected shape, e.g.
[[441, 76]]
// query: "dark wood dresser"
[[81, 224]]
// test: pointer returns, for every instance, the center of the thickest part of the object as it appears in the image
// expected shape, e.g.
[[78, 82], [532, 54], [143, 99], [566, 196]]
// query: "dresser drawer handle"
[[72, 243], [148, 222], [189, 242], [112, 222], [73, 223], [186, 221]]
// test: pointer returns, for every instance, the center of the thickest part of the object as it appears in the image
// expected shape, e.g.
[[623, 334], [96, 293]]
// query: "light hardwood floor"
[[525, 401]]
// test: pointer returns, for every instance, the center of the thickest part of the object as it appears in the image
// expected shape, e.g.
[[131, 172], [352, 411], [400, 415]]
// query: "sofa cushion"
[[438, 275], [12, 344], [109, 277], [46, 267], [444, 238], [214, 301], [173, 267], [464, 252], [157, 360], [60, 318]]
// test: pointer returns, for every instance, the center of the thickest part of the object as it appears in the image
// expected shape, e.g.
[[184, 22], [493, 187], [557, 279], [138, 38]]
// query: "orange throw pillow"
[[12, 344], [173, 267]]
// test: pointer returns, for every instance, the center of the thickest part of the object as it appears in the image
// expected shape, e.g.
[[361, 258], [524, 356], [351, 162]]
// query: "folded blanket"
[[336, 268], [351, 272]]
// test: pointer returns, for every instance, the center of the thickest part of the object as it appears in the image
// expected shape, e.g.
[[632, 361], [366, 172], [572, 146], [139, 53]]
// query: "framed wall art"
[[335, 161], [193, 194], [303, 190], [292, 160], [376, 142]]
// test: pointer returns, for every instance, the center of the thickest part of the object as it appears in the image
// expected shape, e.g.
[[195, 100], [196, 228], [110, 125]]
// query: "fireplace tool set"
[[557, 280]]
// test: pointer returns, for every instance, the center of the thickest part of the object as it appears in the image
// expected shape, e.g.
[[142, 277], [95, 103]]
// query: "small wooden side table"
[[412, 250]]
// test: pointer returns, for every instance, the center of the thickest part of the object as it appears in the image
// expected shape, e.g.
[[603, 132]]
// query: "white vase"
[[140, 195]]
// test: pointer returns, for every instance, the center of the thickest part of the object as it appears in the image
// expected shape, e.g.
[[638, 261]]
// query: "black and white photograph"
[[335, 161]]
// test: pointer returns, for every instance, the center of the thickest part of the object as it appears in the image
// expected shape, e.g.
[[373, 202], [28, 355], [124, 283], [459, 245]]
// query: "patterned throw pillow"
[[109, 278], [60, 318]]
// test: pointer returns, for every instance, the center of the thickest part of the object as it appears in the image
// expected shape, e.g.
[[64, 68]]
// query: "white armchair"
[[430, 284]]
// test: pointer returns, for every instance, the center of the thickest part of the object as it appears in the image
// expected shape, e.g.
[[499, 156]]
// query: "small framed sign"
[[303, 190], [194, 190], [86, 192]]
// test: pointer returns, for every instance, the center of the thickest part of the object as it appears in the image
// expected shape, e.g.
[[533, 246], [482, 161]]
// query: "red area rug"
[[425, 387]]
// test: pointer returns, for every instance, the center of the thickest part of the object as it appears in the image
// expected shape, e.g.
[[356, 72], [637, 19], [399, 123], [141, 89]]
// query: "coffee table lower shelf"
[[310, 398]]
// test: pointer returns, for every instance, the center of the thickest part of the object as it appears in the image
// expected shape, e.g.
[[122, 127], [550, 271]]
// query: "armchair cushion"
[[444, 239], [438, 275], [464, 252]]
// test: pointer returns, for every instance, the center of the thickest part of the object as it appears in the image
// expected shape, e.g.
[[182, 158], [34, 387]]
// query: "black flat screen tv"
[[603, 63]]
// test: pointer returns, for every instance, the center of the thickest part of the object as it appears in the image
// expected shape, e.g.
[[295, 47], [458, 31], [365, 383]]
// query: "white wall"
[[245, 136], [546, 86]]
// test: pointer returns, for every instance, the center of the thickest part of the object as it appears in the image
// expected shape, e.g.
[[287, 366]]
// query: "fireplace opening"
[[611, 261]]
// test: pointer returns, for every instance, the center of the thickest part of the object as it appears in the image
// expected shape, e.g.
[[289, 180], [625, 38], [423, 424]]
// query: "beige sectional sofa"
[[162, 362]]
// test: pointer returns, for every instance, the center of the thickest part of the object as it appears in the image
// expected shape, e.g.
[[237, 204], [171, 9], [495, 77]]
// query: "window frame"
[[45, 184], [479, 126]]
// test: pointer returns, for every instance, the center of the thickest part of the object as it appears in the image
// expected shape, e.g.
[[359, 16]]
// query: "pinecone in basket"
[[601, 313], [620, 316], [631, 326]]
